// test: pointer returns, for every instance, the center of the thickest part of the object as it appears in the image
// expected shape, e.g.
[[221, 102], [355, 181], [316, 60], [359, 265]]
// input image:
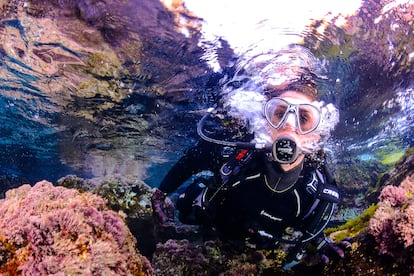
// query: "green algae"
[[352, 227], [392, 158]]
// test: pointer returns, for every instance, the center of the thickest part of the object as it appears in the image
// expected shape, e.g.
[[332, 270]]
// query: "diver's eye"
[[303, 118], [278, 114], [308, 118]]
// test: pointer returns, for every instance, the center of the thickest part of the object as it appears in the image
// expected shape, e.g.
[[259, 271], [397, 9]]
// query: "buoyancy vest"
[[242, 204]]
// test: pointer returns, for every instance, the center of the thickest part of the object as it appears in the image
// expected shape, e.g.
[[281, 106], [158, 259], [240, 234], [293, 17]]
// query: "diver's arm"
[[199, 158], [195, 160]]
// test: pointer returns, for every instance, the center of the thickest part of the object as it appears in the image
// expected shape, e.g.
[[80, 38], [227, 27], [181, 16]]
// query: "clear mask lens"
[[307, 116]]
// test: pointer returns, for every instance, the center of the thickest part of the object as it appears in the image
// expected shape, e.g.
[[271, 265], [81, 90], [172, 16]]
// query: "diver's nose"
[[290, 121]]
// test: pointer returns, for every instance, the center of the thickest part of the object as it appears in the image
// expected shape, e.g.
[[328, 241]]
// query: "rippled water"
[[102, 89], [368, 51]]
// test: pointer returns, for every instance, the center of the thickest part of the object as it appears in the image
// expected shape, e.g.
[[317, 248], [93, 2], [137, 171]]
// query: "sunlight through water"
[[271, 25], [264, 24]]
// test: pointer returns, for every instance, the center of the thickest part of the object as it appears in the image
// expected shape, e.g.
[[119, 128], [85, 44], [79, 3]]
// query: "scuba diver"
[[271, 186]]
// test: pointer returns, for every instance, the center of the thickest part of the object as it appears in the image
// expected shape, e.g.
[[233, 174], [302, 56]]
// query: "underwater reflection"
[[109, 88]]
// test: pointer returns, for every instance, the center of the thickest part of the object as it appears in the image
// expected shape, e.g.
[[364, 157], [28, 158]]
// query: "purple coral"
[[392, 195], [392, 223], [54, 230]]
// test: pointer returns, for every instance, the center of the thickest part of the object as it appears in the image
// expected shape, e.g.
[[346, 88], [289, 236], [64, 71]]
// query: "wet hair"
[[305, 85]]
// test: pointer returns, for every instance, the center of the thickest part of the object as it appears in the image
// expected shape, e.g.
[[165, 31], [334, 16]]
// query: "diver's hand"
[[328, 249], [162, 207]]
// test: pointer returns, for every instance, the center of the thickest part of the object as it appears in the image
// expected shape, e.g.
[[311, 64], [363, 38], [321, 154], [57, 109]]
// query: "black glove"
[[162, 207], [328, 249]]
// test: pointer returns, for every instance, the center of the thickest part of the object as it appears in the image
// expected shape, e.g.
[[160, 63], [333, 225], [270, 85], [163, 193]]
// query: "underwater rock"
[[9, 182], [130, 196], [402, 169], [48, 230], [212, 257], [384, 239], [361, 181], [354, 178]]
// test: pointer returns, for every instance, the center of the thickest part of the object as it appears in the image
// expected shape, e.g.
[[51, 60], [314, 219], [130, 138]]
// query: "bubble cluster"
[[329, 118], [247, 106]]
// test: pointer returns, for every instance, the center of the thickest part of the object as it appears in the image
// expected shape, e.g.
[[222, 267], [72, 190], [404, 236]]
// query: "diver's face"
[[293, 115]]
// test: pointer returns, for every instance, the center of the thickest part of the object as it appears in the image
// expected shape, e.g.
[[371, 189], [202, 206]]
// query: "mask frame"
[[297, 110]]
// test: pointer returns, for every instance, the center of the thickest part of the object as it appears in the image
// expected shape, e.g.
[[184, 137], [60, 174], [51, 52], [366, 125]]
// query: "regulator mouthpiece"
[[285, 150]]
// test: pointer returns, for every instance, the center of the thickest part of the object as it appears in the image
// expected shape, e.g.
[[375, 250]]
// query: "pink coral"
[[60, 231], [393, 195], [392, 223]]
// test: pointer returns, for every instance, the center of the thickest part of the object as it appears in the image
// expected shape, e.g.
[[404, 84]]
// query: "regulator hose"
[[234, 144]]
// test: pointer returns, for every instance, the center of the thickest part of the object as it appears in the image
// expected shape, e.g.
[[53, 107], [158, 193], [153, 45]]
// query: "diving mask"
[[306, 116]]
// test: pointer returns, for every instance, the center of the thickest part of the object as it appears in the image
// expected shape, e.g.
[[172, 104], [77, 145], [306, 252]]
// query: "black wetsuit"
[[261, 200]]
